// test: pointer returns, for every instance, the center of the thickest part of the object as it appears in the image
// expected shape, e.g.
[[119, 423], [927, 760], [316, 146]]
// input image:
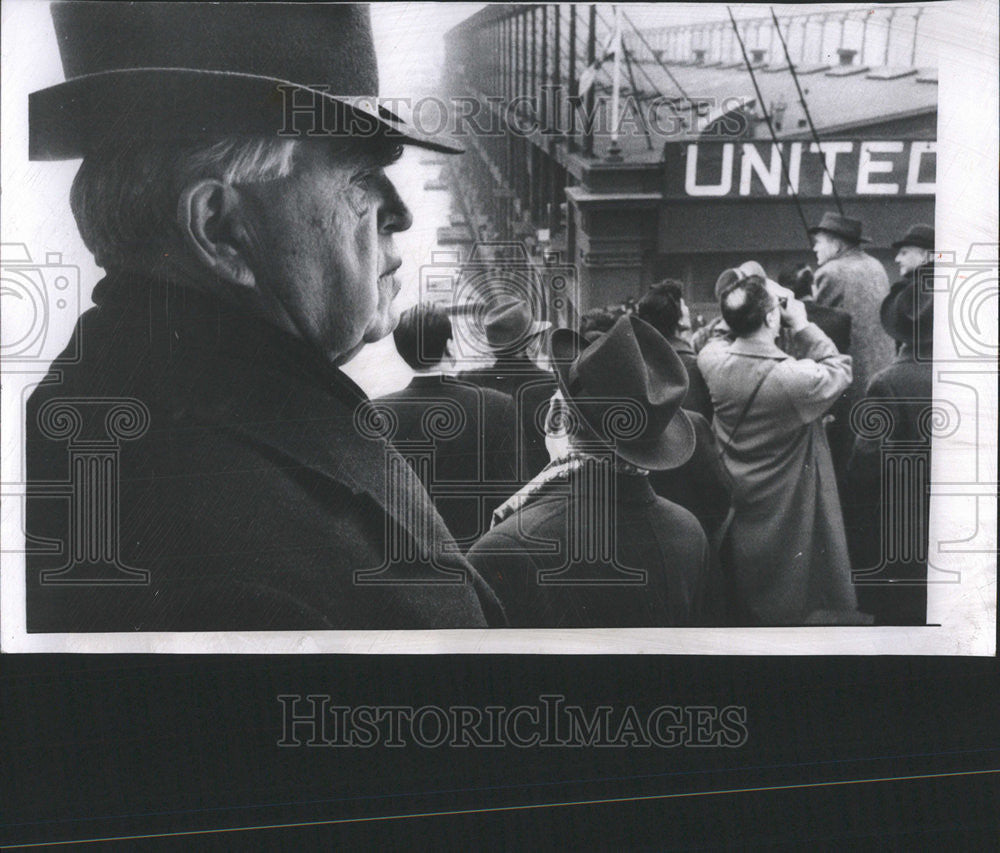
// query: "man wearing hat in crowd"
[[789, 547], [511, 332], [894, 589], [245, 222], [587, 543], [915, 259], [469, 429], [850, 279]]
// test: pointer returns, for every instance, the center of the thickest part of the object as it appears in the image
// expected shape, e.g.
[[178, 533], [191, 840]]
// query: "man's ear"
[[210, 218]]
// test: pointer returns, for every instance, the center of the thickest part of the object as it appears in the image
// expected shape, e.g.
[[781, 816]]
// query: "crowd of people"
[[663, 477]]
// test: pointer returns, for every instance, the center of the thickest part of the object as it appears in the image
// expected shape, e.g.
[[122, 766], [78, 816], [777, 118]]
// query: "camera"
[[41, 301], [495, 270]]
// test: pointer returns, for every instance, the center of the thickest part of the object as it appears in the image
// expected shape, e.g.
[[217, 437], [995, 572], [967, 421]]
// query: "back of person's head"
[[798, 278], [745, 305], [422, 335], [596, 322], [661, 306]]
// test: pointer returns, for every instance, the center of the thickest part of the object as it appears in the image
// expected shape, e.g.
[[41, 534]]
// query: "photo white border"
[[964, 464]]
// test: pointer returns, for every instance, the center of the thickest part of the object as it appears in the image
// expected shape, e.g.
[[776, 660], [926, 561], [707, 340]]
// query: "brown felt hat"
[[840, 226], [921, 236], [628, 386], [509, 324]]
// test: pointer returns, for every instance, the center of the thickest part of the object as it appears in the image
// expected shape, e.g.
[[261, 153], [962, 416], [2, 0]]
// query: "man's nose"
[[394, 215]]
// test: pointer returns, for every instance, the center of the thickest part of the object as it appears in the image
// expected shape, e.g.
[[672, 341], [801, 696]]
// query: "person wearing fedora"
[[233, 187], [587, 543], [511, 331], [915, 258], [852, 280], [787, 533], [892, 584], [469, 428]]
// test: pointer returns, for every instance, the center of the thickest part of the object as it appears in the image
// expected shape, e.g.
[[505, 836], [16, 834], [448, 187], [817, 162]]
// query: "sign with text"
[[856, 167]]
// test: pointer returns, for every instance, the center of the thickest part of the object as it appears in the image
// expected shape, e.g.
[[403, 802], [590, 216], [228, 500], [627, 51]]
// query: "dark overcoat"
[[530, 387], [701, 485], [835, 323], [574, 557], [462, 441], [247, 487], [697, 399], [889, 479]]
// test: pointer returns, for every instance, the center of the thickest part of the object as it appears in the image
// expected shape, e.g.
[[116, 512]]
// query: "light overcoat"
[[857, 283], [789, 547]]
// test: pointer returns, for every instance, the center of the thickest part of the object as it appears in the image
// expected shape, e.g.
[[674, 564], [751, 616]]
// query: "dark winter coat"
[[248, 488]]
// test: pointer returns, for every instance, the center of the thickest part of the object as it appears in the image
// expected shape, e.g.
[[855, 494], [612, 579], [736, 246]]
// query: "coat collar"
[[518, 363], [756, 348], [218, 365], [681, 346], [427, 380], [574, 475], [848, 252]]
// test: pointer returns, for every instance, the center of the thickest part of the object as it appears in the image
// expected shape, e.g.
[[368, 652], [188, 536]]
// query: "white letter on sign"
[[914, 186], [691, 186], [770, 176], [830, 151], [868, 167], [794, 164]]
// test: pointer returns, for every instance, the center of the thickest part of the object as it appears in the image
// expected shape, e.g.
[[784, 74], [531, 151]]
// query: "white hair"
[[124, 196]]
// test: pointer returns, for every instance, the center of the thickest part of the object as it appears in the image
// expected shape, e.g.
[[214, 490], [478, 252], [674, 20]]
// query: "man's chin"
[[382, 326]]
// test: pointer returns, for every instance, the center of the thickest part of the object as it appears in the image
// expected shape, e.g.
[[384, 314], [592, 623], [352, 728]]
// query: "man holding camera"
[[789, 548]]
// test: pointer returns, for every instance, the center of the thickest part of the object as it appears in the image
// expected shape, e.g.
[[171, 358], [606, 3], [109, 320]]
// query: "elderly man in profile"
[[849, 278], [244, 267]]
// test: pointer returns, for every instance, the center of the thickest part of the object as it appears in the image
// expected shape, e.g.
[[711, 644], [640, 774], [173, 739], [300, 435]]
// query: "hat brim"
[[164, 104], [671, 449], [841, 234], [899, 244], [538, 327]]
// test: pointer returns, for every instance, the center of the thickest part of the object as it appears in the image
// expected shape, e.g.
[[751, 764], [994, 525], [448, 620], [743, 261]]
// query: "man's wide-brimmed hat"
[[907, 313], [628, 386], [183, 71], [841, 226], [509, 324], [920, 235]]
